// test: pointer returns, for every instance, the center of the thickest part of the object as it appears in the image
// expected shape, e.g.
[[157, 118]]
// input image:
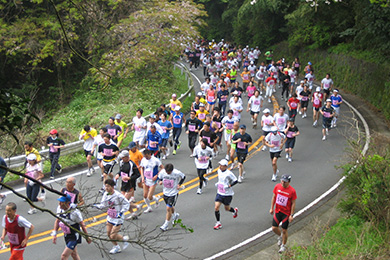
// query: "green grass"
[[350, 238]]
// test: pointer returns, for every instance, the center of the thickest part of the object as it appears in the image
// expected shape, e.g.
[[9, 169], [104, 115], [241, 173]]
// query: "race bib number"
[[152, 144], [334, 102], [327, 114], [203, 159], [64, 228], [111, 132], [241, 145], [123, 174], [148, 174], [235, 113], [168, 183], [207, 137], [137, 128], [266, 121], [229, 126], [316, 101], [223, 98], [271, 83], [251, 91], [176, 120], [281, 120], [246, 77], [13, 238], [218, 124], [191, 128], [276, 143], [111, 213], [53, 149], [293, 105], [221, 188], [304, 98], [107, 152], [256, 102], [326, 85], [290, 134], [72, 196], [201, 116], [210, 98], [281, 200], [173, 105]]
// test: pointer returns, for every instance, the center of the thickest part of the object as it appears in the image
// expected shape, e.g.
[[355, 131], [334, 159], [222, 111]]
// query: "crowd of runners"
[[213, 128]]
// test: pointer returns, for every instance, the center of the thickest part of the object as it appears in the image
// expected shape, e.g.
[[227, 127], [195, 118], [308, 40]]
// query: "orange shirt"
[[136, 157], [246, 77]]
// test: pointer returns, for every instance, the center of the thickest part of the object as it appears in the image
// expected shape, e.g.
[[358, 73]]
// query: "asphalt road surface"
[[313, 172]]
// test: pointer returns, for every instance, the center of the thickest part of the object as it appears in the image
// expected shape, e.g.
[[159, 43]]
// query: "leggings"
[[176, 135], [201, 173], [32, 192], [54, 162]]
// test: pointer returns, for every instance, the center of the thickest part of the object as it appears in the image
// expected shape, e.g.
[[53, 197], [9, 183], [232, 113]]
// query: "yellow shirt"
[[34, 151], [123, 126], [202, 100], [91, 132], [202, 115], [173, 104]]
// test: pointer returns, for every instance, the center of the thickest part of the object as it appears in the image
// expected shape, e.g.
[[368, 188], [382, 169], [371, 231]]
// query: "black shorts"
[[304, 103], [219, 134], [253, 113], [164, 142], [225, 200], [170, 201], [290, 143], [274, 155], [327, 92], [127, 186], [192, 140], [241, 157], [265, 133], [87, 153], [326, 122], [280, 217], [108, 168], [316, 108]]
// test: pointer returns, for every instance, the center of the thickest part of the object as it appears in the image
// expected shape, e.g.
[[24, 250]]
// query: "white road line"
[[334, 187]]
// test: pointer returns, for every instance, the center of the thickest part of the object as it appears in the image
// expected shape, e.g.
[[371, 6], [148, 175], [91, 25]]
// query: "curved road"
[[313, 172]]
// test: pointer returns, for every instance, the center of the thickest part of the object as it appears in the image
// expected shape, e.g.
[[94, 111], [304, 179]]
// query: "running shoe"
[[269, 100], [199, 191], [164, 227], [175, 217], [264, 148], [32, 211], [286, 155], [227, 157], [191, 155], [274, 177], [282, 249], [2, 198], [239, 179], [243, 174], [60, 170], [289, 159], [178, 146], [52, 177], [174, 152], [43, 201], [300, 112], [116, 249], [168, 152], [235, 214], [205, 182], [164, 157], [217, 225], [157, 200], [232, 166], [324, 138], [149, 209], [125, 245], [89, 173], [280, 240]]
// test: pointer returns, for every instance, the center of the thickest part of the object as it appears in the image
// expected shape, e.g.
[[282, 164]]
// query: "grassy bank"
[[359, 73]]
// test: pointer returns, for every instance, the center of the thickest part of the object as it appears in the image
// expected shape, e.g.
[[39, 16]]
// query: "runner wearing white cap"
[[275, 141], [328, 113], [316, 99], [337, 100], [267, 121]]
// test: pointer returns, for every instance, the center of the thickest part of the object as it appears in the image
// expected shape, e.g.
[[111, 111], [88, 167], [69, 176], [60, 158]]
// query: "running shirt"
[[281, 121], [195, 106], [74, 194], [174, 103], [225, 178], [328, 111], [251, 91], [170, 181], [327, 83], [34, 151], [72, 217], [236, 107], [122, 124], [115, 203], [240, 146], [108, 150], [317, 99], [209, 135], [298, 91], [56, 142], [177, 120], [305, 95], [246, 77], [202, 115], [293, 75], [255, 103], [200, 156], [96, 142], [310, 79], [267, 120], [152, 138], [284, 198], [335, 100], [252, 70], [33, 171], [228, 123], [222, 96], [16, 234], [164, 126], [291, 131], [260, 75], [150, 167], [293, 103], [271, 81], [128, 169], [139, 132], [136, 157], [275, 140], [88, 138], [192, 125], [113, 130]]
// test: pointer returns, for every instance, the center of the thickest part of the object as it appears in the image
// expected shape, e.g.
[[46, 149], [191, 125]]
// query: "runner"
[[310, 78], [245, 75], [217, 128], [271, 82], [255, 104], [227, 123], [293, 76], [33, 170], [211, 97], [267, 121], [201, 113], [275, 141], [242, 141], [174, 102], [171, 179], [305, 96], [55, 144], [14, 227], [260, 76], [337, 100], [117, 205], [149, 172], [286, 82], [281, 119], [72, 217], [167, 127], [222, 96], [109, 151], [124, 129], [291, 132], [316, 99], [75, 195], [250, 90], [177, 121], [88, 135], [154, 139], [196, 103], [268, 55], [3, 172], [139, 126], [113, 130], [328, 113], [202, 154], [283, 201], [237, 108], [296, 65], [193, 125], [298, 91], [226, 180], [235, 130], [327, 85], [129, 173], [99, 139], [292, 104]]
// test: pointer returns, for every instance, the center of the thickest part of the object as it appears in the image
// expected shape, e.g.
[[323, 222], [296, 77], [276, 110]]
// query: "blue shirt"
[[156, 137], [166, 124], [177, 120], [335, 99], [240, 147]]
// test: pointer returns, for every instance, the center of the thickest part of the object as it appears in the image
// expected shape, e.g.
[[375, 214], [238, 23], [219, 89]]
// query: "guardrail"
[[20, 160]]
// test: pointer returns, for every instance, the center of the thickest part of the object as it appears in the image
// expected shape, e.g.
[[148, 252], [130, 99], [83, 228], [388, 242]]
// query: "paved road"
[[313, 172]]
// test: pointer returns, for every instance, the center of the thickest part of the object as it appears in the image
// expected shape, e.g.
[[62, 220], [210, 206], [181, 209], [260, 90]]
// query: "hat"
[[235, 92], [257, 47], [328, 100], [274, 129], [31, 157], [336, 90], [132, 145], [318, 89], [286, 178], [201, 105], [173, 95], [199, 93], [124, 153], [265, 111], [252, 62], [243, 126], [118, 116], [66, 198], [247, 46], [302, 81], [223, 162], [177, 108], [309, 63], [153, 116], [53, 132]]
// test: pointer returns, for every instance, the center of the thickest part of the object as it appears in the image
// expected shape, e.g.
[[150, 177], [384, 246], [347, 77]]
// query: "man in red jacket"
[[14, 227]]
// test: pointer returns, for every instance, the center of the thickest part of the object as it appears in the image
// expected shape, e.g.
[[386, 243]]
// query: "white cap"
[[274, 129], [252, 62], [265, 111], [199, 94], [31, 157], [223, 162], [318, 89], [302, 81], [124, 153], [177, 108], [328, 100]]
